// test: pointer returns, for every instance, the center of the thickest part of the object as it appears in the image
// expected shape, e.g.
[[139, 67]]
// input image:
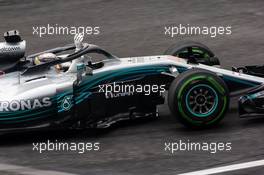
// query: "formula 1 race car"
[[66, 87]]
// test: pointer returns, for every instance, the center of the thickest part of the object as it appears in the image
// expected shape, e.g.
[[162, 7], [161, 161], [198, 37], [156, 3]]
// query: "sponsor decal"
[[66, 103], [9, 49], [21, 105]]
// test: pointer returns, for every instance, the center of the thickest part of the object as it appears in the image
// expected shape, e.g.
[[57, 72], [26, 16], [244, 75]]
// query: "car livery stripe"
[[237, 80], [181, 69]]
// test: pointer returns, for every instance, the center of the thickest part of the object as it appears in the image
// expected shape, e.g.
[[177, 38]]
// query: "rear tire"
[[198, 98]]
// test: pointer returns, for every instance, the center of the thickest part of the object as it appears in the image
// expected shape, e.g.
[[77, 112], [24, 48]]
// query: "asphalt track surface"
[[136, 28]]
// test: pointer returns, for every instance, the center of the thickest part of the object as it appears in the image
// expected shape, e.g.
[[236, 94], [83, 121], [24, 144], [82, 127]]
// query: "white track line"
[[21, 170], [227, 168]]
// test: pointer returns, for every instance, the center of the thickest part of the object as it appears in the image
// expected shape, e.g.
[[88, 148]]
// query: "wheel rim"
[[201, 100]]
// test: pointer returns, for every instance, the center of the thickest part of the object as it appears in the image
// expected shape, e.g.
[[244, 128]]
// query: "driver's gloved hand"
[[78, 38]]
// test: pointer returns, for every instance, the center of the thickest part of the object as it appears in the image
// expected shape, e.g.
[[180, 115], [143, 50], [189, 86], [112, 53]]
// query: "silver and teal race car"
[[66, 87]]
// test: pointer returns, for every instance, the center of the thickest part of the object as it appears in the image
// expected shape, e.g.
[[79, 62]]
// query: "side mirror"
[[81, 71], [89, 71]]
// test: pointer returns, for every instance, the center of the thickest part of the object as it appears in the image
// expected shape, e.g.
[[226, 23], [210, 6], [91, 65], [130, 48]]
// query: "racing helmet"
[[44, 58]]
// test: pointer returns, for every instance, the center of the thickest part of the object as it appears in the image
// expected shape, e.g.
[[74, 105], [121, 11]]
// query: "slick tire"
[[188, 49], [198, 98]]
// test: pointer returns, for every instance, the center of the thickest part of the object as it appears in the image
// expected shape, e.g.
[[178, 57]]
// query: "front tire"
[[198, 98], [190, 49]]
